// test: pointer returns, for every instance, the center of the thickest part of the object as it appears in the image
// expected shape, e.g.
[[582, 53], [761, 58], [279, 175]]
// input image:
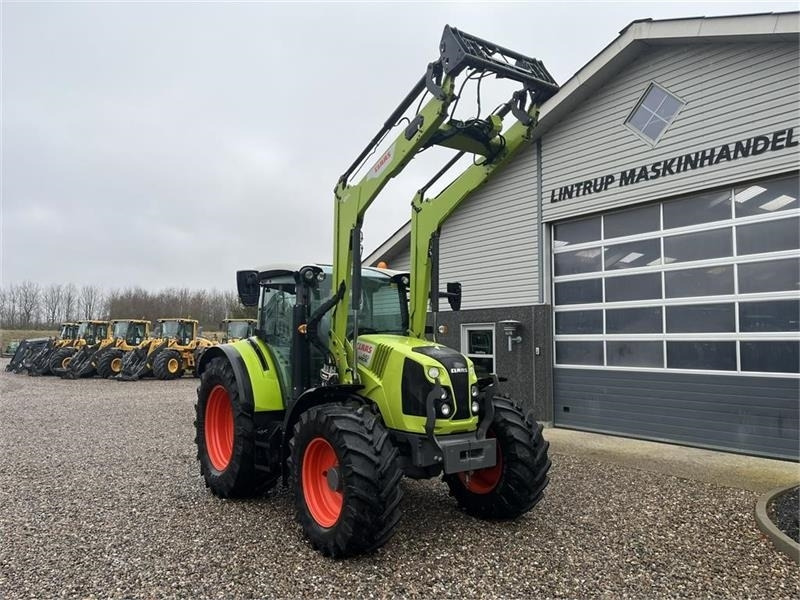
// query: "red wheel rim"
[[219, 428], [485, 480], [323, 502]]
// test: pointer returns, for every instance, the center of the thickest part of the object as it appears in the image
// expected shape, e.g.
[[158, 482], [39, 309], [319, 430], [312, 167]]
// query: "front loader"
[[32, 348], [168, 355], [339, 393], [56, 357], [104, 357]]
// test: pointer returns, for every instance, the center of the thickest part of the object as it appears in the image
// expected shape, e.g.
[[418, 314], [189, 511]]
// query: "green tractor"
[[340, 393]]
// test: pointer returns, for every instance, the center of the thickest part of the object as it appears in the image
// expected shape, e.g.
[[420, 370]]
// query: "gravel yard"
[[100, 496]]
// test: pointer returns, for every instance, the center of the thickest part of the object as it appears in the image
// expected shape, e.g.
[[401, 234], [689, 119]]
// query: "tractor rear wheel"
[[60, 359], [225, 436], [168, 364], [109, 363], [516, 483], [346, 480]]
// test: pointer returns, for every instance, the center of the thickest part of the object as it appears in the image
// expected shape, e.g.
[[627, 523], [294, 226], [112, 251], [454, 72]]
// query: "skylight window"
[[654, 113]]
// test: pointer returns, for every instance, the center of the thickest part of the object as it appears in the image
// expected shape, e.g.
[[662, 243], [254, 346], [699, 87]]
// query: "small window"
[[477, 342], [642, 253], [576, 232], [579, 353], [579, 322], [655, 111], [635, 354], [579, 261], [646, 319]]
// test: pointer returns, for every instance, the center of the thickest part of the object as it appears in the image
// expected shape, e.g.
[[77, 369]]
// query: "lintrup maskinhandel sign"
[[753, 146]]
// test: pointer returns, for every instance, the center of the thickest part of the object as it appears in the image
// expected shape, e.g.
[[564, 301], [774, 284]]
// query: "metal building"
[[647, 244]]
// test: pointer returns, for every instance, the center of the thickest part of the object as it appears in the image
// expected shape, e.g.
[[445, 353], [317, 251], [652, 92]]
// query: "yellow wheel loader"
[[105, 356], [29, 349], [55, 357], [168, 355]]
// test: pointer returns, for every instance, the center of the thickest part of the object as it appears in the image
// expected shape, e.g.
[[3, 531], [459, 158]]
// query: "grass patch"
[[6, 335]]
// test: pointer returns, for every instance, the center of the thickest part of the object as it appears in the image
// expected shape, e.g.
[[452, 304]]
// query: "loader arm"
[[430, 126], [428, 215]]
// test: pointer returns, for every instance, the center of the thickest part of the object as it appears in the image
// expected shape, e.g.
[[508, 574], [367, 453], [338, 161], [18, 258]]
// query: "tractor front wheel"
[[168, 364], [346, 480], [515, 484], [226, 438], [61, 359], [109, 363]]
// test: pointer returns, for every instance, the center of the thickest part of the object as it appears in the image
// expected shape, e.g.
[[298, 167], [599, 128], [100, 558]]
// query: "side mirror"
[[247, 286], [454, 295]]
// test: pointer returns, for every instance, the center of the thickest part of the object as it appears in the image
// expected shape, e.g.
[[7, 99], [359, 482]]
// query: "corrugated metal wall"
[[732, 91], [757, 415]]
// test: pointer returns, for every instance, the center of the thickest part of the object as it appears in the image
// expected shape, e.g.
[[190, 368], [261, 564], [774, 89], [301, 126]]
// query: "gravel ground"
[[100, 496]]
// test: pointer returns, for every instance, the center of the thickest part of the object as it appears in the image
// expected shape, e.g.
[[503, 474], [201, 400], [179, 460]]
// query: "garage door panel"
[[623, 402], [779, 392]]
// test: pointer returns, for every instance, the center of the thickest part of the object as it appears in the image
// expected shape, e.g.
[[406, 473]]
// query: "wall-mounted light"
[[510, 328]]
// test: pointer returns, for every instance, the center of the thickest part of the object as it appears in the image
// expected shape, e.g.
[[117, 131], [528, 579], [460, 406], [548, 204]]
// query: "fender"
[[237, 364]]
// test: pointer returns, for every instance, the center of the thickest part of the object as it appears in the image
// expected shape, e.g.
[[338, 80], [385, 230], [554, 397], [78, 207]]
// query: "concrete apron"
[[720, 468]]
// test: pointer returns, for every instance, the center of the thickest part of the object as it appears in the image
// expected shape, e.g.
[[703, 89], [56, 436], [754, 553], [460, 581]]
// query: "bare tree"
[[91, 300], [29, 303], [52, 299], [69, 301]]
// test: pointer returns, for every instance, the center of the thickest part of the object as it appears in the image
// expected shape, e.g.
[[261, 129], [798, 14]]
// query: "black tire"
[[518, 483], [198, 355], [368, 477], [165, 361], [109, 363], [59, 358], [239, 478]]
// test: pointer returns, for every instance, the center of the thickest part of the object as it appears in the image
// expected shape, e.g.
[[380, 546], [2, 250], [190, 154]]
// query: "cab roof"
[[280, 269]]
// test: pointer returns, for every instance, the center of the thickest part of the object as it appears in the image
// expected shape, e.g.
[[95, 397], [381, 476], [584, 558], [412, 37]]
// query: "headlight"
[[474, 391], [445, 410], [433, 372], [476, 407]]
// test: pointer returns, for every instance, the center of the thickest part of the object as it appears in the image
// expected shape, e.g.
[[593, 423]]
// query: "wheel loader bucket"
[[39, 362], [26, 350], [138, 363], [81, 364]]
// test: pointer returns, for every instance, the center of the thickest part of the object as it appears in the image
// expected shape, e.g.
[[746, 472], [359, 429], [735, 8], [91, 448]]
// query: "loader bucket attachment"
[[138, 363], [81, 364], [460, 50], [26, 350], [39, 362]]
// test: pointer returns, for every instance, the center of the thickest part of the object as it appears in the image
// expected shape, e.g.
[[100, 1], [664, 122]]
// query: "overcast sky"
[[172, 144]]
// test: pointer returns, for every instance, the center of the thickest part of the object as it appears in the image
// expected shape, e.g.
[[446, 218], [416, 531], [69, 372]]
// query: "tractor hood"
[[373, 349]]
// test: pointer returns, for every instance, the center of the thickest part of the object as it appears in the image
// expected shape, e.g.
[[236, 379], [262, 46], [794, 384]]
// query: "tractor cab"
[[181, 330], [131, 332], [289, 293], [92, 331], [69, 331], [237, 329]]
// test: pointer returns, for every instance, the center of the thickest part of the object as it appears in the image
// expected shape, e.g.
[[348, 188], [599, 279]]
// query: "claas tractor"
[[28, 349], [104, 357], [56, 358], [340, 393], [168, 355]]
